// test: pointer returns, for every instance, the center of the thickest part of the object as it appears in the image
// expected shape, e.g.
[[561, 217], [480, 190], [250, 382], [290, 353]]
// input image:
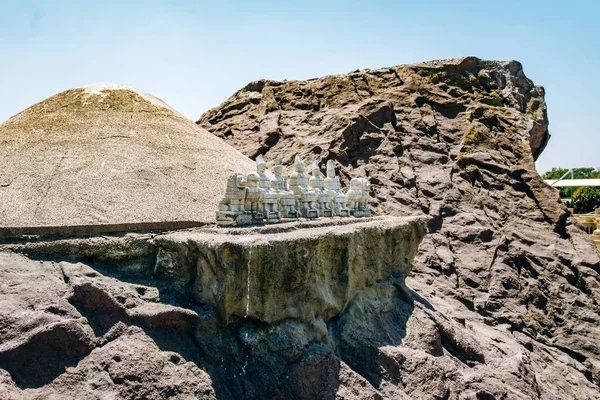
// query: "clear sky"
[[195, 54]]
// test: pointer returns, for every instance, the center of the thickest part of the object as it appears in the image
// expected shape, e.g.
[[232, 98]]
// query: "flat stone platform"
[[49, 232]]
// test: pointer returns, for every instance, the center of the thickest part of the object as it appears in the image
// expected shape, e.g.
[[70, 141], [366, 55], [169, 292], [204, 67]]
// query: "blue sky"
[[195, 54]]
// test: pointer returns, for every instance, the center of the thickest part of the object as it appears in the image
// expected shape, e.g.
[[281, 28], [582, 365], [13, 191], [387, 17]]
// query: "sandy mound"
[[109, 154]]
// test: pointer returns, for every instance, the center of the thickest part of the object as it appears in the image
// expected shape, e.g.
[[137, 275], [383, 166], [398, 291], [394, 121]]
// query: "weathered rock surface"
[[209, 312], [506, 285], [49, 350], [109, 154]]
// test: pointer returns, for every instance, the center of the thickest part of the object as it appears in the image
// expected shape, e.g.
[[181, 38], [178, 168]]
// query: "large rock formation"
[[108, 154], [501, 303], [203, 313], [504, 262]]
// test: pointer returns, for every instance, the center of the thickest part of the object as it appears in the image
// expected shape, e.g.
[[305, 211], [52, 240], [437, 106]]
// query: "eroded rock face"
[[41, 333], [504, 261], [50, 350]]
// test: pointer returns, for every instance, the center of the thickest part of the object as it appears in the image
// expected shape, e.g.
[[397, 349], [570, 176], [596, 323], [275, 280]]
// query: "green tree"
[[578, 173], [557, 173], [586, 199], [554, 173], [586, 173]]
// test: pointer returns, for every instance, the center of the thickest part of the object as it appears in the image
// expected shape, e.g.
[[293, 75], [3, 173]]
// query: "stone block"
[[300, 270]]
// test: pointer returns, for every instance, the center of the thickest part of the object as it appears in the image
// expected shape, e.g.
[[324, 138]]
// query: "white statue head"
[[261, 165], [356, 184], [316, 171], [365, 184], [299, 164], [236, 180], [277, 168], [330, 169], [252, 179]]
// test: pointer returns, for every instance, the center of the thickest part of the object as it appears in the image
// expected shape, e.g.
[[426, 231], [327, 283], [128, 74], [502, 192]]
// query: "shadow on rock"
[[46, 354], [375, 318]]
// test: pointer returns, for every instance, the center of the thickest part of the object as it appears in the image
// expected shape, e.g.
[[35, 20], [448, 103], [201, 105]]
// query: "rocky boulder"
[[64, 334], [504, 262]]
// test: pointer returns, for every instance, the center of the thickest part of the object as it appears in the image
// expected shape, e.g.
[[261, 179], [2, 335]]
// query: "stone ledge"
[[34, 233], [302, 270], [300, 223]]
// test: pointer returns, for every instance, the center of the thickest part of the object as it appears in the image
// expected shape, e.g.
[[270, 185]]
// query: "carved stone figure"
[[270, 202], [354, 196], [316, 182], [364, 199], [253, 203], [306, 197], [287, 199], [231, 206], [258, 199], [337, 198]]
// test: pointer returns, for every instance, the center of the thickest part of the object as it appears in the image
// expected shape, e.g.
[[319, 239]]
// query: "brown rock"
[[455, 140], [48, 350], [130, 367]]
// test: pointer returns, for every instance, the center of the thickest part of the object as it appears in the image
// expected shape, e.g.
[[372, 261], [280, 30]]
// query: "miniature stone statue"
[[254, 197], [231, 206], [270, 204], [364, 200], [337, 198], [257, 198], [316, 182], [306, 197], [354, 196], [287, 199]]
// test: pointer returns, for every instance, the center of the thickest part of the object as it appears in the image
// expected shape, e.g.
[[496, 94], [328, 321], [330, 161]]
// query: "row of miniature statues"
[[256, 198]]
